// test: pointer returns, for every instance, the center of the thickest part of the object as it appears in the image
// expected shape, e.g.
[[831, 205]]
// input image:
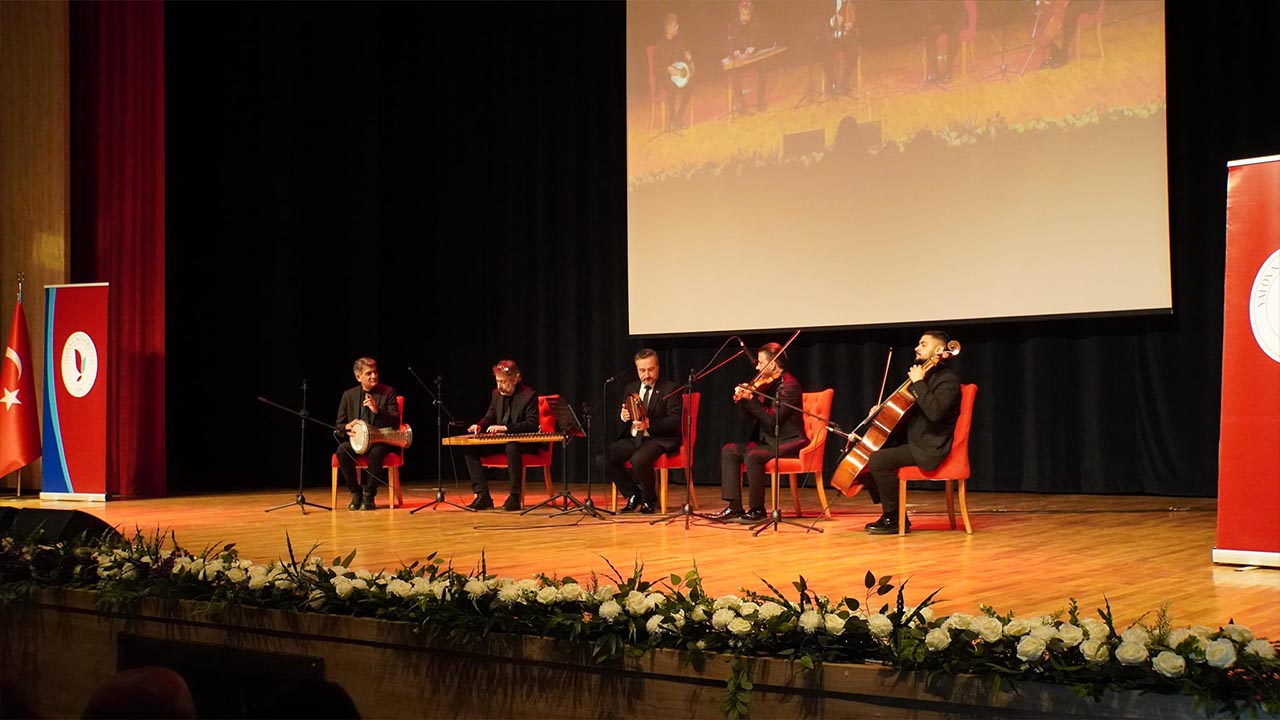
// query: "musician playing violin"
[[673, 67], [513, 408], [641, 441], [930, 424], [375, 404], [756, 402]]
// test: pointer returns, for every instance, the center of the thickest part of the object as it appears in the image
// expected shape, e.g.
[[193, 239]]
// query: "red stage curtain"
[[117, 228]]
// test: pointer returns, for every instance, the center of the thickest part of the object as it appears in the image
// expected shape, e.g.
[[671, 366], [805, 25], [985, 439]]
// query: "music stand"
[[568, 426], [299, 500]]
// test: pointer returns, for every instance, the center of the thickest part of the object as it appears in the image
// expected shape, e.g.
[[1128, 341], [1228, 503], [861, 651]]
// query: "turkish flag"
[[19, 423]]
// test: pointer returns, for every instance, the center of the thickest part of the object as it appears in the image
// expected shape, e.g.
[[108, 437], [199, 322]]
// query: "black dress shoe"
[[481, 502], [633, 504], [886, 525], [754, 515], [367, 504], [355, 502], [728, 513], [512, 503], [646, 508]]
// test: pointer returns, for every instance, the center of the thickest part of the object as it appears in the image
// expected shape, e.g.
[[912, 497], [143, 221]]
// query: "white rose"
[[1239, 633], [1136, 634], [1201, 630], [130, 574], [880, 625], [1095, 650], [654, 625], [610, 609], [1131, 653], [1096, 629], [1047, 620], [606, 593], [747, 609], [636, 603], [721, 618], [727, 601], [474, 588], [440, 589], [257, 581], [236, 575], [1177, 637], [285, 584], [1169, 664], [678, 618], [739, 626], [699, 614], [419, 586], [834, 623], [958, 621], [399, 588], [510, 594], [770, 610], [548, 595], [990, 629], [145, 560], [360, 584], [528, 585], [342, 586], [1221, 653], [927, 614], [1017, 627], [316, 599], [1261, 648], [364, 574], [1031, 648], [937, 639], [1044, 632], [570, 592], [339, 570], [810, 620], [1070, 635]]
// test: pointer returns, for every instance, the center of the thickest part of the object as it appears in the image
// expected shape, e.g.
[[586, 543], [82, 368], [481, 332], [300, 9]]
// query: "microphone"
[[439, 379], [746, 351], [618, 377]]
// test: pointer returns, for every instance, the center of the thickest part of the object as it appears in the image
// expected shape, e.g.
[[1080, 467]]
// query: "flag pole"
[[21, 277]]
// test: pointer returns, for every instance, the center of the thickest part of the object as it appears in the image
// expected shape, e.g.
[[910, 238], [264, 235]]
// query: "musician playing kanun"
[[375, 404], [513, 408]]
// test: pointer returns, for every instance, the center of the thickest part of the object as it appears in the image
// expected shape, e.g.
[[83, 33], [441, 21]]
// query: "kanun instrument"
[[362, 436], [732, 63], [882, 424], [501, 438]]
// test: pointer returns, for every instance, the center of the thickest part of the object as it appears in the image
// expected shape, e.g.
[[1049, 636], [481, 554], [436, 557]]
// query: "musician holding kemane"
[[673, 64], [513, 408], [930, 425], [375, 404], [643, 440], [759, 410]]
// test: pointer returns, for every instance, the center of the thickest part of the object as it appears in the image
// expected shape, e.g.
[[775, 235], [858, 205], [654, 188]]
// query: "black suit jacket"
[[790, 423], [349, 408], [665, 405], [524, 411], [931, 422]]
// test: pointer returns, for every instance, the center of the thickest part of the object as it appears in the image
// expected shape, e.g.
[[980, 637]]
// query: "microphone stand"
[[300, 500], [435, 399]]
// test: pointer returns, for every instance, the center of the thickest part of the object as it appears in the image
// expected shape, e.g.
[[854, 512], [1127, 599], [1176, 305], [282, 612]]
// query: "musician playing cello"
[[375, 404], [930, 425], [513, 408], [673, 67], [642, 441], [762, 414]]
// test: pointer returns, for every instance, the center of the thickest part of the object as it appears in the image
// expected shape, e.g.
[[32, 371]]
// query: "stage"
[[1028, 552]]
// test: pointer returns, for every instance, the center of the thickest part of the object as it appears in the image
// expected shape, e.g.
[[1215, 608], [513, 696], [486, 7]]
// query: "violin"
[[885, 419], [746, 390]]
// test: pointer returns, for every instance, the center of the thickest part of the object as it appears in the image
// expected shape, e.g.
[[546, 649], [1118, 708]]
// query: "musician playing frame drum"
[[374, 404], [513, 408], [673, 69]]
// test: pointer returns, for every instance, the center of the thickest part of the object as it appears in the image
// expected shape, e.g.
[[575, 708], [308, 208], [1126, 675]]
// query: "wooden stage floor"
[[1028, 553]]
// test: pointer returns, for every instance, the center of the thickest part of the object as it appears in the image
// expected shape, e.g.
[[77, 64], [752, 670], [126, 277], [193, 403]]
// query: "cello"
[[883, 421]]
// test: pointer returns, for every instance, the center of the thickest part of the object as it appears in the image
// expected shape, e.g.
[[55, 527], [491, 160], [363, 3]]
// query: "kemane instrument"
[[501, 438], [882, 424], [636, 407], [362, 436]]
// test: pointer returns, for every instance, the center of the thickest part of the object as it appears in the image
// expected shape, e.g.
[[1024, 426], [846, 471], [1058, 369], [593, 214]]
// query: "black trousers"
[[883, 466], [638, 481], [754, 456], [515, 467], [347, 465]]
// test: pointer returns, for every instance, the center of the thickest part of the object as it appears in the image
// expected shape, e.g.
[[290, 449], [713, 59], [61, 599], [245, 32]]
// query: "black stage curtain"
[[443, 185]]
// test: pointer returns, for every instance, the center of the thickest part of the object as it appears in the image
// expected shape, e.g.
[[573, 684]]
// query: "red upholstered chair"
[[391, 463], [540, 457], [672, 462], [955, 468], [1091, 20], [810, 459]]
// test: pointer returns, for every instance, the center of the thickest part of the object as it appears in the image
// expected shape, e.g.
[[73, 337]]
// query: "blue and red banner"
[[75, 392]]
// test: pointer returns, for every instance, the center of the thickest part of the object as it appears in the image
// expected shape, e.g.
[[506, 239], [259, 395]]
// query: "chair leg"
[[902, 507], [613, 498], [859, 72], [774, 491], [822, 494], [964, 506], [524, 486], [795, 494], [951, 503], [662, 490], [1102, 55], [333, 496], [393, 486], [546, 478]]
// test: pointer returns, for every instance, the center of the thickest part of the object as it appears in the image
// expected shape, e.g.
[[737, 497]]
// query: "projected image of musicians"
[[841, 52], [642, 440], [762, 413], [673, 64], [747, 37], [374, 404], [942, 24], [513, 408]]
